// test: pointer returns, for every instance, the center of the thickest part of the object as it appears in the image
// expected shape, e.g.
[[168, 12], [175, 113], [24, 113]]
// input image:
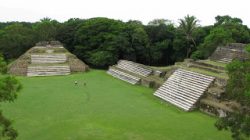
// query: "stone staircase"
[[207, 67], [129, 71], [184, 88], [134, 68], [225, 60], [48, 64], [123, 76], [48, 58], [48, 70], [225, 54]]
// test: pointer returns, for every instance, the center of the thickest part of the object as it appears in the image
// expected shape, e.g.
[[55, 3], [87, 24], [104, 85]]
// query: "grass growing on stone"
[[222, 75], [163, 68], [53, 108], [214, 63]]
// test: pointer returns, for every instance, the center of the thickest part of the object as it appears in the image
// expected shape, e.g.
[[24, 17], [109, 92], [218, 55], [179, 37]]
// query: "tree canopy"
[[100, 42], [188, 26], [15, 39], [225, 30]]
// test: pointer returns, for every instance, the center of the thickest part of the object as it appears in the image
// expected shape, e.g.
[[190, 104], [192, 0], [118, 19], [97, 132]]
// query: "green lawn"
[[53, 108]]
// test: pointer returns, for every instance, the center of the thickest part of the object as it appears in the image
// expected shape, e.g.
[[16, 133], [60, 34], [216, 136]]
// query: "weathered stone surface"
[[184, 88], [49, 43], [146, 83], [134, 67], [47, 61], [227, 53], [77, 65]]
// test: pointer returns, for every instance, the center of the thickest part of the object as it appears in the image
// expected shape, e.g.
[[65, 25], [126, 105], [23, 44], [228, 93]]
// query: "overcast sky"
[[143, 10]]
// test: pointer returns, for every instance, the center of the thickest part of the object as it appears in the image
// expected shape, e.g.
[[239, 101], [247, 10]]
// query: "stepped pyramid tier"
[[226, 54], [134, 67], [184, 88], [47, 59], [49, 44], [187, 85], [133, 73], [48, 70], [124, 76]]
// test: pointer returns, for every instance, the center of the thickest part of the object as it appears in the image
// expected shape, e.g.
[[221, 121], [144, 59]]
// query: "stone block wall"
[[231, 51]]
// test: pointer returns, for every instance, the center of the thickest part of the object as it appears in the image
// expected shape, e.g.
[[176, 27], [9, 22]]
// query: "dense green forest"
[[101, 42]]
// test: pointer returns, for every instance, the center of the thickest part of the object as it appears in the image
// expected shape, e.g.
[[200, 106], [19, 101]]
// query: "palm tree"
[[187, 26]]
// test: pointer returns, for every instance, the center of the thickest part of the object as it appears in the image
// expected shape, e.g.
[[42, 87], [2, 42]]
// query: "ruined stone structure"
[[47, 59], [189, 84], [184, 88], [136, 73], [226, 54]]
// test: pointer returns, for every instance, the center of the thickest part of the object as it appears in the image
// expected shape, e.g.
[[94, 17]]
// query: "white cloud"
[[143, 10]]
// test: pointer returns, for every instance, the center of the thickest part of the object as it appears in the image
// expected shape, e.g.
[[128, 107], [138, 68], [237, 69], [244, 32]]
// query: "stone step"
[[123, 76], [48, 70], [195, 74], [47, 74], [188, 92], [193, 84], [178, 95], [225, 60], [51, 70], [48, 67], [134, 67], [172, 101], [206, 68], [184, 88], [183, 77], [205, 64], [48, 58]]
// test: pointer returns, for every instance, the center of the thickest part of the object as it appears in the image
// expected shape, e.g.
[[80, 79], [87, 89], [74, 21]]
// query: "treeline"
[[101, 42]]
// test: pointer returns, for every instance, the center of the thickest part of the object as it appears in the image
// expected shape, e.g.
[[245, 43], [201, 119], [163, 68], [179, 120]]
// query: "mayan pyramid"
[[47, 59]]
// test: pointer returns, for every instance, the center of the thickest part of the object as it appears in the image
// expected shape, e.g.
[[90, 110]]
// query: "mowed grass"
[[53, 108]]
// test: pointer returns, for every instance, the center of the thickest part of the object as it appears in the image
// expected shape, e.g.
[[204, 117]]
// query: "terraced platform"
[[48, 70], [130, 72], [48, 64], [124, 76], [225, 60], [48, 58], [134, 67], [225, 54]]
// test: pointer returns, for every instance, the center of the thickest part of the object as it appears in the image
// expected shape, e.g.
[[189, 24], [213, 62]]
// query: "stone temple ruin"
[[135, 73], [47, 59], [189, 84], [226, 54]]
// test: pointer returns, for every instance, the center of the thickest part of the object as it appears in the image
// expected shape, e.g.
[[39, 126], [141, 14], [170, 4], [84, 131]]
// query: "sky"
[[143, 10]]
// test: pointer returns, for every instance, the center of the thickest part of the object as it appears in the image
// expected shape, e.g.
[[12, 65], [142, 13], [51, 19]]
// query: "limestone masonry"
[[47, 59]]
